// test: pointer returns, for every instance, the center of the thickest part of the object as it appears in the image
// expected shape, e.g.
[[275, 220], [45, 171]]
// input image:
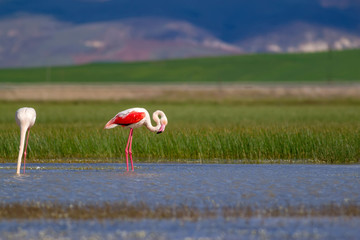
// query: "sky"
[[226, 19]]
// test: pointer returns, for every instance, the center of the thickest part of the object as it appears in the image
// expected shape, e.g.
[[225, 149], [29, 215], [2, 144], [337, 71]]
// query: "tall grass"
[[227, 132]]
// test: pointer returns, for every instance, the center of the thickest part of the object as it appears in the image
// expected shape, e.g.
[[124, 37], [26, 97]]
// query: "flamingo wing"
[[129, 118], [125, 118]]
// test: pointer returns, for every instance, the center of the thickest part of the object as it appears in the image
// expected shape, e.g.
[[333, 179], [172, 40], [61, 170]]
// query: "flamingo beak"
[[161, 129], [110, 124]]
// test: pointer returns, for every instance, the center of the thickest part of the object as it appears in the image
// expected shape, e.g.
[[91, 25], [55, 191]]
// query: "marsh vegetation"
[[225, 132]]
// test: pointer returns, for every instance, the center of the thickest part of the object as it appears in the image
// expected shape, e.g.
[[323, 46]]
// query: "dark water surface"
[[202, 186]]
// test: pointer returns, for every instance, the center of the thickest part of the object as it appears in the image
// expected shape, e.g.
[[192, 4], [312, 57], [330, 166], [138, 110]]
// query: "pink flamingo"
[[135, 118], [25, 117]]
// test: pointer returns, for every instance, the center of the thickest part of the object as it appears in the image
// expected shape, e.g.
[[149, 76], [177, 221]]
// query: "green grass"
[[319, 67], [256, 132]]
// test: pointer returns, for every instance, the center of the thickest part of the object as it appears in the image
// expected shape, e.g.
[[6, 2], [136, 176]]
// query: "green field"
[[256, 132], [319, 67]]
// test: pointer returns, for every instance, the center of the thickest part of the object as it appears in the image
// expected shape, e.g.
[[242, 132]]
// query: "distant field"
[[315, 67], [254, 132], [182, 92]]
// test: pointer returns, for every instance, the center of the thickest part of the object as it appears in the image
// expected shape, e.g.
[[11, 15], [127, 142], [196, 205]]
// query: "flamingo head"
[[163, 123]]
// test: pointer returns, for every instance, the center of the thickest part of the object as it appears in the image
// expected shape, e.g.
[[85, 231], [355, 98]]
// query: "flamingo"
[[25, 117], [135, 118]]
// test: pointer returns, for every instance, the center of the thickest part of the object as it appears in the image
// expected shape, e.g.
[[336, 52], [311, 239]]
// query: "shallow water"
[[255, 228], [202, 186], [199, 185]]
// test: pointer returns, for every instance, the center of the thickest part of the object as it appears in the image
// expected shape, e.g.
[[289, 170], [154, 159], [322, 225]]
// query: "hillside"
[[324, 66]]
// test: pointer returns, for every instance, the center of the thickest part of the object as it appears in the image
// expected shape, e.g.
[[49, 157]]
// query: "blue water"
[[191, 184]]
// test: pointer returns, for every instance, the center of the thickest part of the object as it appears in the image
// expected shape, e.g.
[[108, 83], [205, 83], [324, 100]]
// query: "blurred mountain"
[[42, 32], [41, 41], [300, 37]]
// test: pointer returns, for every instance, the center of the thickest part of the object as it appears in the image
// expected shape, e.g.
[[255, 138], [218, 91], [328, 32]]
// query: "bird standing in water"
[[25, 117], [135, 118]]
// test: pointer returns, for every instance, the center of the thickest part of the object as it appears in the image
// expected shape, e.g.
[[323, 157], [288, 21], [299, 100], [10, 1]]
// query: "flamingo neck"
[[21, 147], [149, 125]]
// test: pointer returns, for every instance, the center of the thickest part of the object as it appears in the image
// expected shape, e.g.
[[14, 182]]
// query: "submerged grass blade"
[[125, 210]]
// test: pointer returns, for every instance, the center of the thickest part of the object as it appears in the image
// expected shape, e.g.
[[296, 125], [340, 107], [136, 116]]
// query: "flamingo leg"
[[131, 137], [127, 150], [27, 139]]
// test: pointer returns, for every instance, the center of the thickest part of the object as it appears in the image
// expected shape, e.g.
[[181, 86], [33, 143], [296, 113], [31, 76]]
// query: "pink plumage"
[[135, 118]]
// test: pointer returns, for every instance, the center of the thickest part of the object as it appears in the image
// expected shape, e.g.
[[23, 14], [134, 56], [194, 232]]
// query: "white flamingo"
[[25, 117], [135, 118]]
